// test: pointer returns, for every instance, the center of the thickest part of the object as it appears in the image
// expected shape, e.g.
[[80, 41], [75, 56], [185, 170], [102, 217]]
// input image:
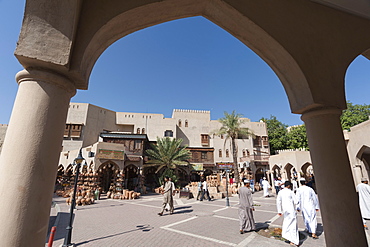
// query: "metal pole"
[[227, 190], [67, 240]]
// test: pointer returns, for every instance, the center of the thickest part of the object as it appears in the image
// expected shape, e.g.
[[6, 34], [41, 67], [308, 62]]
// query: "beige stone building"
[[89, 127], [297, 163]]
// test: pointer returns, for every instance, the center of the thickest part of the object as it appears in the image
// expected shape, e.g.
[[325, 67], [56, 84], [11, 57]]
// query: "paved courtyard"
[[136, 223]]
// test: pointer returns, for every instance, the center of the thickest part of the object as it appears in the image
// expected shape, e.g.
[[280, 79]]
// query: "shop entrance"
[[131, 177], [107, 174]]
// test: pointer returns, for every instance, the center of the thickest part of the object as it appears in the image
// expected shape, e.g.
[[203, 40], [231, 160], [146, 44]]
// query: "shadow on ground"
[[143, 228], [63, 220]]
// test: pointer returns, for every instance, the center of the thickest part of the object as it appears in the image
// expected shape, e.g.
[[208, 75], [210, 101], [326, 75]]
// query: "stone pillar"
[[271, 173], [29, 159], [338, 200]]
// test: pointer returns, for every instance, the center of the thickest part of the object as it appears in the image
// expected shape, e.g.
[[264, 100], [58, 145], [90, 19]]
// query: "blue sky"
[[185, 64]]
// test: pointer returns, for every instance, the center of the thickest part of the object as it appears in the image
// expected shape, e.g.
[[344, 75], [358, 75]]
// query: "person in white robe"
[[246, 208], [295, 185], [286, 205], [364, 199], [265, 186], [309, 205]]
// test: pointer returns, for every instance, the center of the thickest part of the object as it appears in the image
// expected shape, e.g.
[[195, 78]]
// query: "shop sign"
[[225, 165], [197, 167], [110, 154]]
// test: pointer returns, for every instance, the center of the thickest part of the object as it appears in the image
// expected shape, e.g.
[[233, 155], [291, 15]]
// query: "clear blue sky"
[[185, 64]]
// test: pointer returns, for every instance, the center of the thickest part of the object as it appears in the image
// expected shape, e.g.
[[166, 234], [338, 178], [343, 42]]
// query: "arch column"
[[338, 200], [29, 159]]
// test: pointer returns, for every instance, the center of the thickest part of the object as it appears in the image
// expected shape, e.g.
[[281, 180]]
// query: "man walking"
[[309, 205], [246, 208], [286, 205], [277, 185], [167, 196], [364, 199], [205, 191], [265, 186], [199, 189]]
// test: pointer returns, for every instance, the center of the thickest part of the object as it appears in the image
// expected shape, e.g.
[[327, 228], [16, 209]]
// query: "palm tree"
[[168, 153], [231, 129]]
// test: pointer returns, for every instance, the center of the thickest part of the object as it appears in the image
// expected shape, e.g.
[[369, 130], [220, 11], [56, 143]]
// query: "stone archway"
[[307, 171], [60, 42], [276, 171], [131, 176], [106, 175], [288, 172], [363, 156]]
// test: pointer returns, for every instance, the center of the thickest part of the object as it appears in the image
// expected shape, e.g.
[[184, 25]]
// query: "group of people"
[[169, 191], [203, 190], [288, 204]]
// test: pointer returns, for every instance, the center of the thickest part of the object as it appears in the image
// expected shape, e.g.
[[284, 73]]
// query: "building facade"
[[97, 130]]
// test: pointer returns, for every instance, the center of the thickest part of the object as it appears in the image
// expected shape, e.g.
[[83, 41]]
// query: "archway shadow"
[[262, 225], [143, 228]]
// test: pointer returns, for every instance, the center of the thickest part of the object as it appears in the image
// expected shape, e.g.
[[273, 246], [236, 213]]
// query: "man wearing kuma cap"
[[309, 205], [364, 199], [246, 208]]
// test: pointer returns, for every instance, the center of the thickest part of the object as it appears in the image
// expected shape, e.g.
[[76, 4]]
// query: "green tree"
[[297, 137], [232, 129], [277, 133], [354, 114], [169, 154]]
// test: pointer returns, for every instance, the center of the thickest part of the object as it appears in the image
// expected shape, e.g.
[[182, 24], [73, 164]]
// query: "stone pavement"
[[194, 223]]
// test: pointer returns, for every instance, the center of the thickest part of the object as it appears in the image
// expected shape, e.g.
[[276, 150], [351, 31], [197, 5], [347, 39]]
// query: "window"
[[204, 139], [143, 131], [137, 144], [222, 136], [227, 153], [265, 141], [204, 155], [220, 153], [168, 133], [186, 123], [257, 141], [179, 122], [248, 153], [138, 131], [244, 153], [67, 130], [73, 130]]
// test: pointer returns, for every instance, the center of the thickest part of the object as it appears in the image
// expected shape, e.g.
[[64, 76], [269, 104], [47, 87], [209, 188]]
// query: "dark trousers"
[[199, 194], [205, 192], [277, 188]]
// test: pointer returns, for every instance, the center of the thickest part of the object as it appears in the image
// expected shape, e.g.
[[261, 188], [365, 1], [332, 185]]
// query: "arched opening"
[[307, 171], [207, 172], [260, 173], [220, 12], [289, 172], [194, 176], [107, 174], [151, 178], [363, 156], [131, 177], [276, 171], [183, 177]]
